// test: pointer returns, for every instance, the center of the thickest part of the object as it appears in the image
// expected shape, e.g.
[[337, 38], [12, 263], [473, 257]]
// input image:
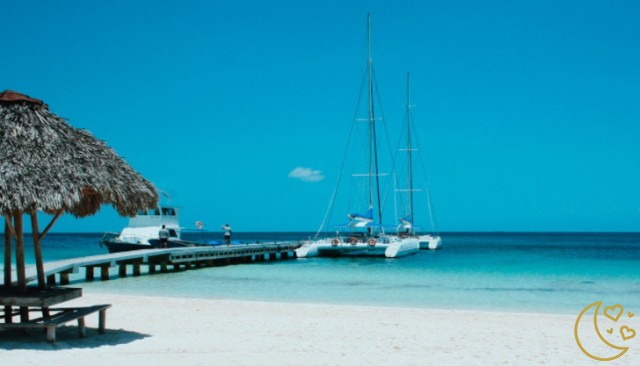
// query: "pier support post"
[[152, 267], [122, 270], [273, 256], [24, 314], [89, 274], [176, 267], [51, 279], [187, 266], [284, 255], [64, 278], [163, 267], [209, 262], [104, 273], [264, 257], [136, 268], [8, 314]]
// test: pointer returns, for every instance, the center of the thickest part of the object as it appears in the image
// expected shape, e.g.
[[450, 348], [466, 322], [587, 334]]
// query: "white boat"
[[142, 232], [363, 236], [427, 241]]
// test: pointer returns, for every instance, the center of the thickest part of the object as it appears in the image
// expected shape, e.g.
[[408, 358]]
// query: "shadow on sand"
[[67, 337]]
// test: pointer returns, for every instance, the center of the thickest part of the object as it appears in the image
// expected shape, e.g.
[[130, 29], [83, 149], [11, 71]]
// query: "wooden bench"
[[63, 316]]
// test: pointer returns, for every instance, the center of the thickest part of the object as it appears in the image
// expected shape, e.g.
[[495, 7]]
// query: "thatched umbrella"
[[47, 165]]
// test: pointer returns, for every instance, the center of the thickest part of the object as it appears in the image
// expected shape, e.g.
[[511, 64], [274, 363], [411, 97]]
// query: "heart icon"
[[631, 315], [618, 306], [610, 331], [631, 332]]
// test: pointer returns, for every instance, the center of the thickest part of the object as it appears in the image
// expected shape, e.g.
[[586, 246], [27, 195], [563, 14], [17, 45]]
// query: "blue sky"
[[527, 111]]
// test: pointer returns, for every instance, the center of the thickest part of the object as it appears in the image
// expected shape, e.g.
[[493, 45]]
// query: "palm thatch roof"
[[48, 165]]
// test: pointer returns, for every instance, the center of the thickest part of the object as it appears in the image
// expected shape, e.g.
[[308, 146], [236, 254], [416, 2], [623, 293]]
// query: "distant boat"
[[362, 235], [427, 241], [142, 232]]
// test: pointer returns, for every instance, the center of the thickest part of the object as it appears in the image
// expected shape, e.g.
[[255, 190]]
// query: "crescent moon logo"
[[595, 325]]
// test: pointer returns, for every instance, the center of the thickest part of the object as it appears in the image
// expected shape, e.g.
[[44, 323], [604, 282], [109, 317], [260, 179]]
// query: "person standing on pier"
[[227, 234], [163, 234]]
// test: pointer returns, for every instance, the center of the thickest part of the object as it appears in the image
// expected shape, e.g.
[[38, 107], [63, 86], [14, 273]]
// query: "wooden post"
[[104, 273], [8, 310], [176, 267], [152, 267], [7, 254], [90, 273], [38, 251], [102, 321], [123, 270], [163, 267], [22, 277], [273, 256], [81, 328], [136, 268], [64, 278], [284, 255], [51, 279]]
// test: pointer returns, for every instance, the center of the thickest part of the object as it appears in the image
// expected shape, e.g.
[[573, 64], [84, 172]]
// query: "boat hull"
[[119, 246], [430, 242], [324, 248]]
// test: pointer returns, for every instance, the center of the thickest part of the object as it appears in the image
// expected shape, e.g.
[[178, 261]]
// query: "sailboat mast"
[[370, 111], [373, 145], [410, 177]]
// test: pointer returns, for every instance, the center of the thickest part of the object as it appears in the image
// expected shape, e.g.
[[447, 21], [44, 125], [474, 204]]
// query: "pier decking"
[[176, 257]]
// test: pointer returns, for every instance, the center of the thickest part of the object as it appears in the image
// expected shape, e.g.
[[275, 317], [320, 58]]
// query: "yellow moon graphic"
[[595, 325]]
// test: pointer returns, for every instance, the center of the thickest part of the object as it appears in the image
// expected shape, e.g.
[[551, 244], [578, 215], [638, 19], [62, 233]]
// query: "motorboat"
[[143, 229]]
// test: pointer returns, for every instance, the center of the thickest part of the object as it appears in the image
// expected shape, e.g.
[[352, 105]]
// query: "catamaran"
[[363, 235], [407, 228]]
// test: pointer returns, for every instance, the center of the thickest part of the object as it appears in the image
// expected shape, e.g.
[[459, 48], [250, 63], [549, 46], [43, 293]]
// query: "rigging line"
[[393, 169], [432, 214], [383, 120], [344, 159]]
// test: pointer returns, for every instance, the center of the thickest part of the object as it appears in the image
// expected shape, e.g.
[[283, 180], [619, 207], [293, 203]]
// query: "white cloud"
[[306, 174]]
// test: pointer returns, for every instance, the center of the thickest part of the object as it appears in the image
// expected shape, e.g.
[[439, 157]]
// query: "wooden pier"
[[161, 259]]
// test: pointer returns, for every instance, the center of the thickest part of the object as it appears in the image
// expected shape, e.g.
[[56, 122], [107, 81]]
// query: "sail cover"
[[360, 217], [363, 224], [407, 220]]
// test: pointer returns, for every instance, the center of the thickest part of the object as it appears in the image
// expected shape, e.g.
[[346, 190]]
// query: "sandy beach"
[[169, 331]]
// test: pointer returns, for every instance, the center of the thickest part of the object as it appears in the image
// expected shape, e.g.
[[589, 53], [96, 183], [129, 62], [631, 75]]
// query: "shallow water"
[[529, 272]]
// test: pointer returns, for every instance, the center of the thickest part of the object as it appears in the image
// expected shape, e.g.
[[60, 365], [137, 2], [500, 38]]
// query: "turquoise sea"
[[516, 272]]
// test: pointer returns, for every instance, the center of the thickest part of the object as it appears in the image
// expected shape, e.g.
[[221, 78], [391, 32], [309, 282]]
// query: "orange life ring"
[[353, 240], [334, 242], [372, 242], [199, 225]]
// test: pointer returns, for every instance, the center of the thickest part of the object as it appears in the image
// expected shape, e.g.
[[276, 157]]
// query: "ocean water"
[[516, 272]]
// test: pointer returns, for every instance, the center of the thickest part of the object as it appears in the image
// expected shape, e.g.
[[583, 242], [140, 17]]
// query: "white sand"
[[169, 331]]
